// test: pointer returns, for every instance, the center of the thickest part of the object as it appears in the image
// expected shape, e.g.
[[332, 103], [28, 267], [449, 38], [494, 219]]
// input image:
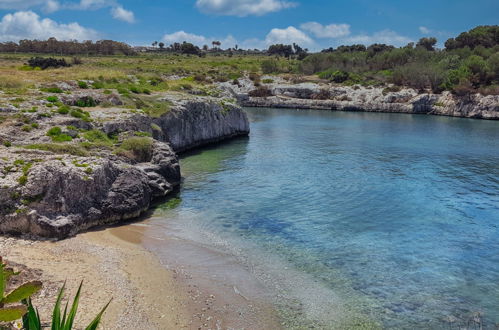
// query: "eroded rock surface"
[[65, 189], [358, 98]]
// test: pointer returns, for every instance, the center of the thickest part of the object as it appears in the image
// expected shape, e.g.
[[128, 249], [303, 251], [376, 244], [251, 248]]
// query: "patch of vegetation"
[[136, 148], [98, 138], [58, 148], [57, 135], [82, 84], [468, 64], [52, 99], [78, 113], [64, 109], [261, 91], [86, 101], [23, 179], [45, 63]]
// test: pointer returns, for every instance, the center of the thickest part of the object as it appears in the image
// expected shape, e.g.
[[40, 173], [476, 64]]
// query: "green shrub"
[[64, 109], [134, 89], [82, 84], [52, 98], [98, 85], [137, 148], [270, 66], [57, 136], [334, 75], [98, 138], [60, 321], [7, 144], [86, 101]]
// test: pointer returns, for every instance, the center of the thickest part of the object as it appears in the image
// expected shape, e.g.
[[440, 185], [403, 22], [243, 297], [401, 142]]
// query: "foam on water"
[[389, 218]]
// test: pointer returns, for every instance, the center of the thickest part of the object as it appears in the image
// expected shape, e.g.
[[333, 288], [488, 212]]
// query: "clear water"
[[397, 214]]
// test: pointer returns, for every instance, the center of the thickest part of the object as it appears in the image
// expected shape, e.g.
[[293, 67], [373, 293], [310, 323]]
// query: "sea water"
[[392, 218]]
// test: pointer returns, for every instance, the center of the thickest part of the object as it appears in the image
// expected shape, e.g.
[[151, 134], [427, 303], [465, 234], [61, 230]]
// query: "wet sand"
[[149, 290]]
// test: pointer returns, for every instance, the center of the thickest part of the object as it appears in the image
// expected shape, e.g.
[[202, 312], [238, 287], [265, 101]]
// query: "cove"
[[392, 218]]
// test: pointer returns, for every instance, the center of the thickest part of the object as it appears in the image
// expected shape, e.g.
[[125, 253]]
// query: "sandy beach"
[[146, 294]]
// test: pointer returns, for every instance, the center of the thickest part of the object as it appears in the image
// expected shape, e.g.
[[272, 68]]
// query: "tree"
[[281, 50], [427, 43], [161, 45], [154, 44], [486, 36], [216, 44]]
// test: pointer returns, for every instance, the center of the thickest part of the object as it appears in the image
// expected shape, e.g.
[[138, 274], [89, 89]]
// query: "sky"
[[313, 24]]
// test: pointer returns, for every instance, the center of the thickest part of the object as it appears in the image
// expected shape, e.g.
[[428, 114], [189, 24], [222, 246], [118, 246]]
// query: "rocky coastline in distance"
[[281, 93]]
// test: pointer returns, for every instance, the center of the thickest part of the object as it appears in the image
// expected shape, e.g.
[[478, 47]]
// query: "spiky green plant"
[[11, 307], [60, 321]]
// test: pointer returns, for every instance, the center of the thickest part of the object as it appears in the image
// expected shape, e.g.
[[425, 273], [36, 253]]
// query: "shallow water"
[[395, 216]]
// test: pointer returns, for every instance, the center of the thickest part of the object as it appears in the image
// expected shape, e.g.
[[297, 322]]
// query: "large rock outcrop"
[[189, 124], [59, 193], [58, 196], [357, 98]]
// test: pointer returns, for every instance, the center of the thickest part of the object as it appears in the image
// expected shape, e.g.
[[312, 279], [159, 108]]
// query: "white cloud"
[[181, 36], [384, 37], [96, 4], [28, 25], [21, 4], [275, 36], [122, 14], [326, 31], [51, 6], [198, 40], [424, 30], [242, 7], [288, 36]]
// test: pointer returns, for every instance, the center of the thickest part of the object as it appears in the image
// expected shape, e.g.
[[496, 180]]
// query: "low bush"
[[57, 135], [48, 62], [136, 148], [82, 84], [261, 91]]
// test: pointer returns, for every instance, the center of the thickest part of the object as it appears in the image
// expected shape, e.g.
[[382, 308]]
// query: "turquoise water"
[[397, 214]]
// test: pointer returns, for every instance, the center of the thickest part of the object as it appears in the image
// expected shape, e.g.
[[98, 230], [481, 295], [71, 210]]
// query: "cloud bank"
[[242, 8], [28, 25]]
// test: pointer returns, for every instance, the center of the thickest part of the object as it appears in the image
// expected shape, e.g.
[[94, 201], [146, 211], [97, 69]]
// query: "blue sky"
[[315, 24]]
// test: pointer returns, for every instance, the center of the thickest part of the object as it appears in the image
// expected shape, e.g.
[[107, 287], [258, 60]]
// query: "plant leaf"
[[95, 323], [23, 292], [9, 314], [31, 321], [2, 279], [56, 314], [74, 309]]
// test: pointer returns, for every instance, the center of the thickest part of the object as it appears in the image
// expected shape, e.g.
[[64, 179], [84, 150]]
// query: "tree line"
[[72, 47], [469, 63]]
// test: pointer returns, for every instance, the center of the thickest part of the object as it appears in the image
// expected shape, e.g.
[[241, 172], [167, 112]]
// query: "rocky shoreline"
[[46, 193], [54, 193], [323, 96]]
